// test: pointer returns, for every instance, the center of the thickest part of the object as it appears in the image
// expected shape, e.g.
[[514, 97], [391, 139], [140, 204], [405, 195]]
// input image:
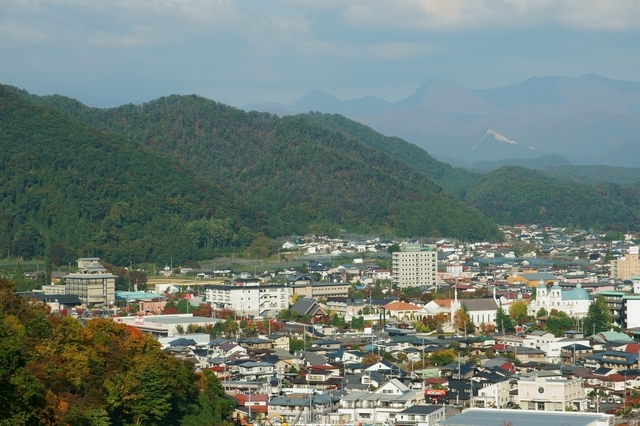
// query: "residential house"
[[278, 341], [252, 370], [301, 409], [381, 405], [309, 307], [420, 415]]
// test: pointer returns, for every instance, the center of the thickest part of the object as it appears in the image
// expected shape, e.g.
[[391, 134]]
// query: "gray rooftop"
[[493, 417]]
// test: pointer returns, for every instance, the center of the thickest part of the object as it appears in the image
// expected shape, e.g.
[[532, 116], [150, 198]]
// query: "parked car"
[[592, 404]]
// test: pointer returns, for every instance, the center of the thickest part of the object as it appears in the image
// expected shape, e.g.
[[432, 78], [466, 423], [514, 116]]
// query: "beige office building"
[[551, 394], [627, 266], [319, 290], [415, 265], [92, 283]]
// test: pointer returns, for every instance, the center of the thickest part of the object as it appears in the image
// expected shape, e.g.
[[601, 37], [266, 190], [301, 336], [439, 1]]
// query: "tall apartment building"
[[92, 283], [627, 266], [415, 265], [248, 298]]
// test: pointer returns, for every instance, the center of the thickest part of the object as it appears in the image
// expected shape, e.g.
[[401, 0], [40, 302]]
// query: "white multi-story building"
[[550, 394], [574, 303], [495, 395], [414, 265], [248, 298]]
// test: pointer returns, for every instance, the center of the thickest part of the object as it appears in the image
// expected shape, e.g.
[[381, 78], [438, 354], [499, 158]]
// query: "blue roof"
[[137, 295], [575, 294]]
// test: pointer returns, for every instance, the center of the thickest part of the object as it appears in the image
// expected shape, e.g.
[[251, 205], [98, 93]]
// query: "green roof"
[[575, 294]]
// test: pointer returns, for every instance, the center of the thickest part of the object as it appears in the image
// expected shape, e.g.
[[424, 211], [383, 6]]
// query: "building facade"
[[248, 298], [574, 303], [319, 290], [92, 283], [414, 266], [626, 266], [550, 394]]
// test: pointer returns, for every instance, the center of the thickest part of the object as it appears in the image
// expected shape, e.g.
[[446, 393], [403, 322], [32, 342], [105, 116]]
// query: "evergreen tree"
[[503, 320], [598, 317]]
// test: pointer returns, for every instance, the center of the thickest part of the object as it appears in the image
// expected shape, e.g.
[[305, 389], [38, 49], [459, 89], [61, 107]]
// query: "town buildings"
[[550, 393], [626, 266], [319, 289], [493, 417], [92, 283], [381, 405], [248, 298], [415, 265], [574, 303]]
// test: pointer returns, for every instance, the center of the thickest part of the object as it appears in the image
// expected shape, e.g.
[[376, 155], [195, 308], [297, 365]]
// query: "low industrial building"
[[166, 325], [498, 417]]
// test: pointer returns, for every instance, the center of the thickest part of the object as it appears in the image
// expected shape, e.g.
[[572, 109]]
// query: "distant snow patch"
[[500, 138]]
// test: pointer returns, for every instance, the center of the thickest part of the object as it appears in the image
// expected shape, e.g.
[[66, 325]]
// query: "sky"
[[111, 52]]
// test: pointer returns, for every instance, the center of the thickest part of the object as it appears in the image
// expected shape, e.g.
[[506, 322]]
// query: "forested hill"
[[69, 186], [453, 180], [296, 176], [515, 194]]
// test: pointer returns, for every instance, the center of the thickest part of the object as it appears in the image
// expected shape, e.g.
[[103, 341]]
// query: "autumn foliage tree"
[[462, 320], [54, 371]]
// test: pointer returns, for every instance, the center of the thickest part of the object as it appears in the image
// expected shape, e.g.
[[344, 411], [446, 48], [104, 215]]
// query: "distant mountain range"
[[587, 120]]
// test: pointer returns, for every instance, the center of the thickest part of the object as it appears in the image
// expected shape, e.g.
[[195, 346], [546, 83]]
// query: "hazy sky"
[[107, 52]]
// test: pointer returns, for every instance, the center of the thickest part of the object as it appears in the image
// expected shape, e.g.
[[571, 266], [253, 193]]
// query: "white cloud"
[[14, 34], [454, 15]]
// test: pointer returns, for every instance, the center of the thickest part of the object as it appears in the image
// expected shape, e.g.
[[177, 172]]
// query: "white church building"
[[574, 303]]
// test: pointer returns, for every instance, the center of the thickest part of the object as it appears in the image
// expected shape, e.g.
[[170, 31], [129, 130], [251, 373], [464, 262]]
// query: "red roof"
[[401, 306], [632, 348], [444, 302], [216, 368], [253, 400], [435, 381]]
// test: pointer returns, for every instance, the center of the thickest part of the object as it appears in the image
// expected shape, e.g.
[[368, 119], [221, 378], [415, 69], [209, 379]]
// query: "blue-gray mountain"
[[587, 120]]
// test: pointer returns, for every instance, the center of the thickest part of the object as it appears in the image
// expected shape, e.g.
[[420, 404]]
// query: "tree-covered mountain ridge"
[[178, 125], [86, 192], [184, 176], [515, 194]]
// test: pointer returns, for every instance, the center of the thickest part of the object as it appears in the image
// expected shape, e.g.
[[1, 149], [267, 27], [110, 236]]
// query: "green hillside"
[[69, 186], [291, 176], [514, 194], [453, 180], [596, 174]]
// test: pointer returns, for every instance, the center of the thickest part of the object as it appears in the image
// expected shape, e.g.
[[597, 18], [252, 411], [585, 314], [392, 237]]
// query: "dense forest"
[[515, 194], [69, 186], [55, 371], [291, 176]]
